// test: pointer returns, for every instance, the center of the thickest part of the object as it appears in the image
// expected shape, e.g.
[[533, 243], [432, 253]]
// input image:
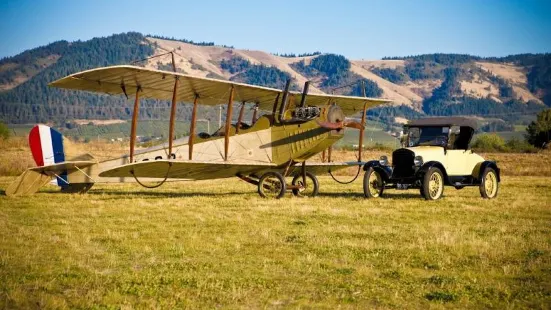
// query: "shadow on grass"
[[164, 194], [401, 196], [173, 194]]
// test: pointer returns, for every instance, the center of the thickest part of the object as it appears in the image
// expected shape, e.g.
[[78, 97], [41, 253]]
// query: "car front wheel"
[[373, 184], [489, 184], [433, 184]]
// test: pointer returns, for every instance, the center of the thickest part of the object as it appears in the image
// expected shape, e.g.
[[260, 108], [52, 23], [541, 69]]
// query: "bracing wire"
[[156, 185], [348, 182]]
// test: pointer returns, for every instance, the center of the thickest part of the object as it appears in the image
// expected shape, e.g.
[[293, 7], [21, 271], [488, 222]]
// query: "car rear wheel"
[[489, 184], [373, 184], [433, 184]]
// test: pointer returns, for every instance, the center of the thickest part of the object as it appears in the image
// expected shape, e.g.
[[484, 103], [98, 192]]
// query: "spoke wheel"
[[373, 184], [308, 189], [433, 184], [489, 184], [272, 185]]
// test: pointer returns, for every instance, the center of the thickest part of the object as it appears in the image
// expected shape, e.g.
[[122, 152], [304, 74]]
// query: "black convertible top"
[[444, 121]]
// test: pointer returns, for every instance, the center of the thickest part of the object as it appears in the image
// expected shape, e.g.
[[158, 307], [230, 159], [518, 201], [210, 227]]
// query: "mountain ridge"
[[421, 84]]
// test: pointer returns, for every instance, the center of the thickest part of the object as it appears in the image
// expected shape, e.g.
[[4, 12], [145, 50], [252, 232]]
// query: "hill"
[[508, 89]]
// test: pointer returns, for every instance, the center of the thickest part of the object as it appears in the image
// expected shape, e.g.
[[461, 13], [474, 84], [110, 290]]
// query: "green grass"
[[211, 244], [507, 135]]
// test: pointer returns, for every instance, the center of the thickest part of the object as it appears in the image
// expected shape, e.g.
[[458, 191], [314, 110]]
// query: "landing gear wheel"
[[433, 184], [310, 189], [272, 185], [373, 184], [489, 184]]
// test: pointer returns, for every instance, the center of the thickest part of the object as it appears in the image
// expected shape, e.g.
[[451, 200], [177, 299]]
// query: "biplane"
[[262, 151]]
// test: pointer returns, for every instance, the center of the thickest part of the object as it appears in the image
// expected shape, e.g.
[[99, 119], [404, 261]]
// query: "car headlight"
[[383, 161], [418, 161]]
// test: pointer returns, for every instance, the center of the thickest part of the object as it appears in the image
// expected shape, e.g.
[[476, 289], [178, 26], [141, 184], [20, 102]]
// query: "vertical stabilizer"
[[47, 148]]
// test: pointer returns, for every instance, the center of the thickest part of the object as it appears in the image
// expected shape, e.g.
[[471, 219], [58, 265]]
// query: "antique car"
[[435, 152]]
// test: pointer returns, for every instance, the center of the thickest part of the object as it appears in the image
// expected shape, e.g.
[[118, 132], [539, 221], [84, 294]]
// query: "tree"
[[538, 133], [4, 131]]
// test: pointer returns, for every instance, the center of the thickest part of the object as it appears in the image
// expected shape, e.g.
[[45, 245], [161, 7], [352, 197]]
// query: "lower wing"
[[185, 170], [197, 170]]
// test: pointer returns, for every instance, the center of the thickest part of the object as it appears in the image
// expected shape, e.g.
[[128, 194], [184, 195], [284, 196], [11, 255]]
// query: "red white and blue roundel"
[[47, 148]]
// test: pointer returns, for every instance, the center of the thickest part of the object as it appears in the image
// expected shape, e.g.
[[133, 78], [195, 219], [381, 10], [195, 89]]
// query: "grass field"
[[210, 244], [214, 244]]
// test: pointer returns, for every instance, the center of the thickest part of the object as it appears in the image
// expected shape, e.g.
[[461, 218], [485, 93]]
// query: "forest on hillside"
[[33, 101]]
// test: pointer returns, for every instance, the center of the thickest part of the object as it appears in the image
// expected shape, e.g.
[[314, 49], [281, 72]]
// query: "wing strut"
[[255, 114], [192, 127], [360, 143], [228, 124], [172, 114], [134, 121], [240, 119]]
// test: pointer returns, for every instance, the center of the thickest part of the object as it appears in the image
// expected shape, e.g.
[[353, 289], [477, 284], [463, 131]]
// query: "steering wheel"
[[442, 140]]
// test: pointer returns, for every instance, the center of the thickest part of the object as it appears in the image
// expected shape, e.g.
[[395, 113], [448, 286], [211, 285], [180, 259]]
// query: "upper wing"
[[158, 84], [196, 170]]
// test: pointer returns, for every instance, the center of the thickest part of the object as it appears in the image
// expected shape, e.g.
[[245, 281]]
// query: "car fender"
[[426, 166], [480, 167], [385, 171]]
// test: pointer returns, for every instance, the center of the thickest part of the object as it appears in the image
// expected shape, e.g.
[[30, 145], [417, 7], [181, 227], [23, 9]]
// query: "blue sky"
[[356, 29]]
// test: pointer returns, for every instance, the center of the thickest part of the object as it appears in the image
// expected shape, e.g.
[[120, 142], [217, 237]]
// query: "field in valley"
[[210, 244]]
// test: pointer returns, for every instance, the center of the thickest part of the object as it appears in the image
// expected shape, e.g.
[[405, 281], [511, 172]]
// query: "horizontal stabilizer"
[[27, 183], [66, 165]]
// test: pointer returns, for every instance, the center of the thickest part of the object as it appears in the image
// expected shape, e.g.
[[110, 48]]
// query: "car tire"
[[373, 184], [422, 192], [489, 185], [433, 184]]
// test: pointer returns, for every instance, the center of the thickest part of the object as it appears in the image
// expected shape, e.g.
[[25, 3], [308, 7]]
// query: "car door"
[[456, 163]]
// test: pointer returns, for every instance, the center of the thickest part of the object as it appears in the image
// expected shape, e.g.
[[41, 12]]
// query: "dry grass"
[[210, 244], [15, 155]]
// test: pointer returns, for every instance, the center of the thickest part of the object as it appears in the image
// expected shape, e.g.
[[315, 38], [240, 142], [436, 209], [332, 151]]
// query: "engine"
[[307, 112]]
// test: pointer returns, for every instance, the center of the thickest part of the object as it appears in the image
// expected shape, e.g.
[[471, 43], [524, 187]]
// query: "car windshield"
[[432, 136]]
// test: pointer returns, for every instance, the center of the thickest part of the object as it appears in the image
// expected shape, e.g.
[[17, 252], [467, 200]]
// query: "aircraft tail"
[[48, 152], [47, 148]]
